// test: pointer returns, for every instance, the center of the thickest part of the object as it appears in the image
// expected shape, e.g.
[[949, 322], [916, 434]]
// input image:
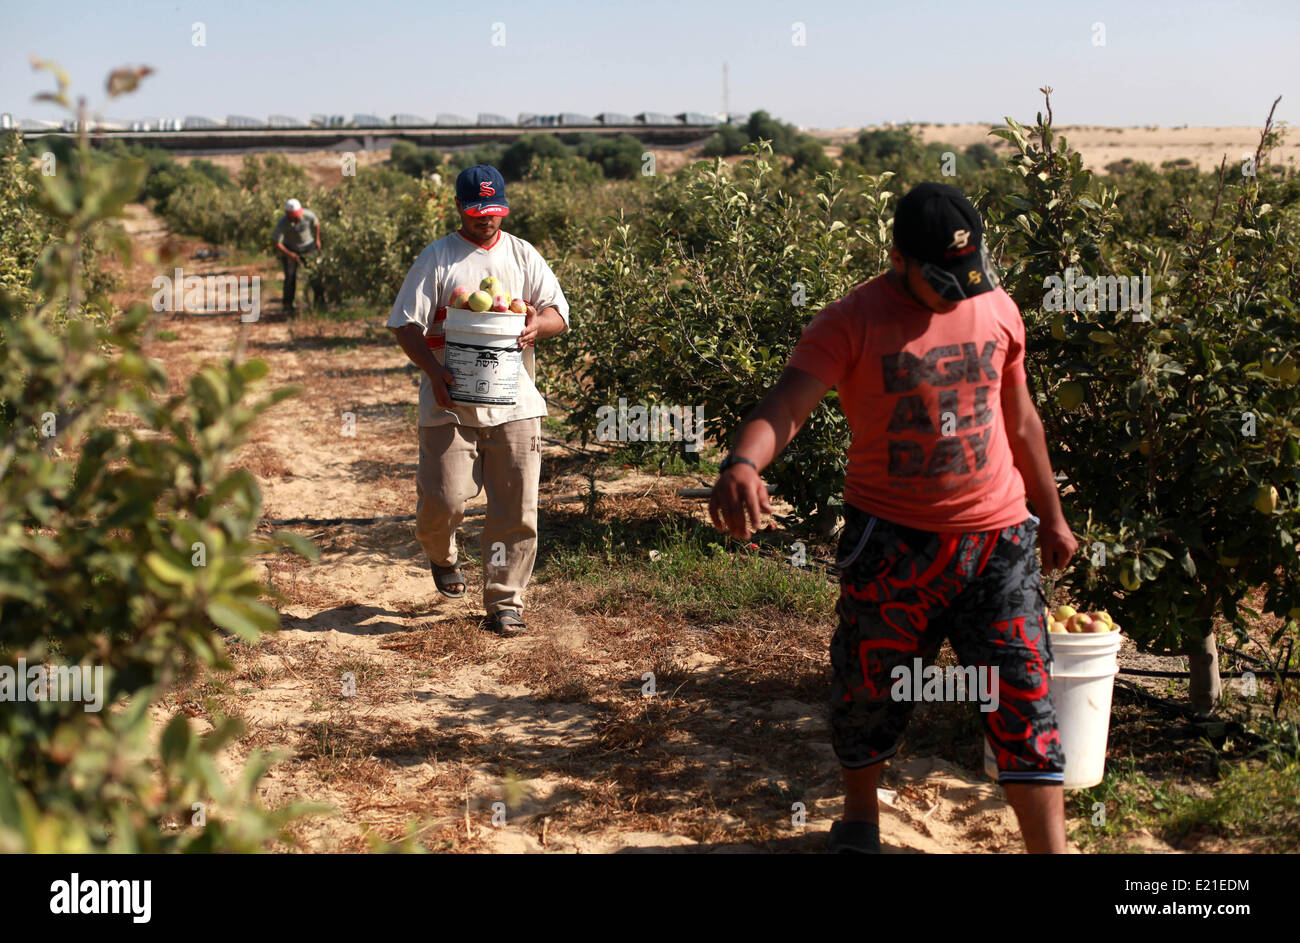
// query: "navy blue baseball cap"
[[482, 191]]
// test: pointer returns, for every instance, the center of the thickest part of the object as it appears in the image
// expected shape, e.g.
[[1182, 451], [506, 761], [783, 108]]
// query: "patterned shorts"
[[902, 591]]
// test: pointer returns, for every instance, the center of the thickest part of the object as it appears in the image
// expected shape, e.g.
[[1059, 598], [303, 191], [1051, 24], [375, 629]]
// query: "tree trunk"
[[1203, 666]]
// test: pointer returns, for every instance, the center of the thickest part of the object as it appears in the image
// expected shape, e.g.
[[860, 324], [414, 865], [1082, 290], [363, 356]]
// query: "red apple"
[[460, 297], [500, 304], [519, 306]]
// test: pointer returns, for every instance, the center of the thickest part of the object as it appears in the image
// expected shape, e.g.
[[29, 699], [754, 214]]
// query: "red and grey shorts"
[[902, 592]]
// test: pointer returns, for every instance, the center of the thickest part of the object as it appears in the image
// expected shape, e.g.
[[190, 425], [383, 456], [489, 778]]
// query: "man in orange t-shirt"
[[938, 542]]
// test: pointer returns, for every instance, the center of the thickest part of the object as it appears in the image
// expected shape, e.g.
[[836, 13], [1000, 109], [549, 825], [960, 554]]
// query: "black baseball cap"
[[936, 225]]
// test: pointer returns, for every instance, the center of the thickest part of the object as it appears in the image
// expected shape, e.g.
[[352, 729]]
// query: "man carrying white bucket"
[[928, 359], [465, 446]]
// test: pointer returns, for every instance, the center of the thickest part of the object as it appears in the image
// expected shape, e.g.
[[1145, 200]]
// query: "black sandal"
[[854, 838], [506, 622], [446, 576]]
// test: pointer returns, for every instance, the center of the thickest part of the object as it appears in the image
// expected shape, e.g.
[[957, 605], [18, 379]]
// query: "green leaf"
[[245, 618], [298, 544], [167, 571]]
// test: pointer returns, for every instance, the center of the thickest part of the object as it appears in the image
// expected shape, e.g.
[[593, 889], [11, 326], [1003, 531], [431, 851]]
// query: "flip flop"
[[506, 622], [446, 576]]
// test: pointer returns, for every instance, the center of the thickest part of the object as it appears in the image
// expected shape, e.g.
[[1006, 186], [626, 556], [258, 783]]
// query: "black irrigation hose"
[[1230, 727], [1222, 674], [332, 521]]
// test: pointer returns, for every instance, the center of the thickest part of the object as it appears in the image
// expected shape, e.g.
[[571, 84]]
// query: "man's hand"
[[1056, 544], [442, 380], [739, 492], [529, 336]]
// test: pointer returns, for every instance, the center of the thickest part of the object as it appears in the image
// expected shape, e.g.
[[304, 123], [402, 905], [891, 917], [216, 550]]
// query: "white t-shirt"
[[454, 260]]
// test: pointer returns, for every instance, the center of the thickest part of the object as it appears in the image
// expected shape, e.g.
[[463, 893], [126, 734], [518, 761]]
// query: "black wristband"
[[735, 460]]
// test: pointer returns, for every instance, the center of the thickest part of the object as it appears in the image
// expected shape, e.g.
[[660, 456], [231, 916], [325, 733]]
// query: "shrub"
[[671, 323], [378, 222], [618, 157], [205, 204], [728, 141], [124, 538], [517, 159], [1181, 423], [413, 160]]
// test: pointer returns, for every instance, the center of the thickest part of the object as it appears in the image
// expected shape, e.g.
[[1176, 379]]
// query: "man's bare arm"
[[540, 325], [778, 418], [411, 339], [768, 429], [1029, 452]]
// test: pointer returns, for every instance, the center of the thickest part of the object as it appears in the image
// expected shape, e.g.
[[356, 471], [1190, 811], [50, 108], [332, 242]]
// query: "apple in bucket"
[[1065, 619]]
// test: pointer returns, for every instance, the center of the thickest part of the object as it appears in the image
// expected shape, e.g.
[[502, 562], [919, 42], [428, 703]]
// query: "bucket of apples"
[[1084, 662], [1066, 620], [482, 351]]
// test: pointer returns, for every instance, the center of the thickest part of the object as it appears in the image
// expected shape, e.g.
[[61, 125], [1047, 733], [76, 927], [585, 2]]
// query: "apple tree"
[[1175, 422]]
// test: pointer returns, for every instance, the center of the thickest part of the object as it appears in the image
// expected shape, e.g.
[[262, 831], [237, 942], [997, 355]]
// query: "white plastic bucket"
[[483, 355], [1081, 684]]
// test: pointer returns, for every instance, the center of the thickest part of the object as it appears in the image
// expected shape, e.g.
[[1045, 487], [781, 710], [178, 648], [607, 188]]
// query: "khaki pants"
[[506, 461]]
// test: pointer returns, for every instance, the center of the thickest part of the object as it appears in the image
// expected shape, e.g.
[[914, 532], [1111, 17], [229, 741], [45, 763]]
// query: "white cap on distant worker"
[[292, 206]]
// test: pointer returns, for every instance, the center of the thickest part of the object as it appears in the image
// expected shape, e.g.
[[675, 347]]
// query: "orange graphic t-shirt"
[[922, 395]]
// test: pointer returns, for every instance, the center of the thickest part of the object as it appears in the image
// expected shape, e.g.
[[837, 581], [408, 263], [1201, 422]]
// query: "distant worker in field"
[[465, 446], [296, 234], [928, 359]]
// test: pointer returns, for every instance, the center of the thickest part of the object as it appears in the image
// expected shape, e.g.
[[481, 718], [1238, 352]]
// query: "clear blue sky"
[[1168, 62]]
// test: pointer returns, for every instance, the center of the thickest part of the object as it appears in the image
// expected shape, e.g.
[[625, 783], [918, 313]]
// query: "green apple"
[[480, 301], [1056, 626], [491, 285], [1225, 559], [1063, 613], [1266, 500], [1069, 394]]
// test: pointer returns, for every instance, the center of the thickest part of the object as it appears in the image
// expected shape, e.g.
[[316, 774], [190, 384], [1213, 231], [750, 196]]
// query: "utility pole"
[[726, 95]]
